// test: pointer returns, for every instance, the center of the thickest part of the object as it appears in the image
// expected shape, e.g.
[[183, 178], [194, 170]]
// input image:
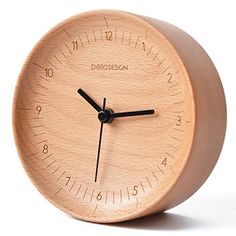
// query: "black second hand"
[[100, 141]]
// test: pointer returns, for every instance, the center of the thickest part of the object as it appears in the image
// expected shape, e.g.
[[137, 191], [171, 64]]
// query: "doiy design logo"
[[109, 67]]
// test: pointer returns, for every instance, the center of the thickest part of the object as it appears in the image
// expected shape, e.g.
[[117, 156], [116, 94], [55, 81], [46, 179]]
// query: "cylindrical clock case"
[[117, 116]]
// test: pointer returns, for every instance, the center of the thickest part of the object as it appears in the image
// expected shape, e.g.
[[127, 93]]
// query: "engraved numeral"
[[135, 190], [108, 35], [45, 149], [49, 72], [179, 119], [164, 162], [99, 196], [169, 75], [143, 46], [68, 180], [75, 45], [38, 109]]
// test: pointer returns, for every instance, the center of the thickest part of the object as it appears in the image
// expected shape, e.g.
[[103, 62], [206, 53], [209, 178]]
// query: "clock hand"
[[89, 100], [131, 113], [100, 141]]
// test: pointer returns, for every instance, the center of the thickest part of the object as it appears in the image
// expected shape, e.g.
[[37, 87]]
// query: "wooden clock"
[[117, 116]]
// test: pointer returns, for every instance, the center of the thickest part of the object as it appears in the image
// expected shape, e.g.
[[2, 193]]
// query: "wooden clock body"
[[124, 65]]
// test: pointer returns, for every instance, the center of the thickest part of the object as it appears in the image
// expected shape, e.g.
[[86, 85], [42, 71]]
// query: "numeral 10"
[[49, 72]]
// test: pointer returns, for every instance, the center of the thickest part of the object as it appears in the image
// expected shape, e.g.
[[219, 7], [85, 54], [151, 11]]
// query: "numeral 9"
[[38, 109]]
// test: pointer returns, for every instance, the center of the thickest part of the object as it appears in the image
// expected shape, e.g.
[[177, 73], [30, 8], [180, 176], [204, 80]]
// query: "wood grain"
[[147, 164]]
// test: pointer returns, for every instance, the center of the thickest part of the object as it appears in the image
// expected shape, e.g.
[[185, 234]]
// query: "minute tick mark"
[[141, 184], [120, 196], [175, 138], [87, 37], [57, 59], [78, 190], [136, 43], [173, 85], [123, 36], [51, 164], [41, 86], [91, 196], [106, 197], [160, 170], [161, 62], [172, 170], [24, 109], [130, 35], [155, 176], [44, 78], [39, 66], [128, 193], [44, 141], [167, 68], [175, 94], [149, 183], [67, 33], [94, 36], [113, 197], [149, 50], [95, 209], [58, 191], [155, 56], [62, 53], [85, 192], [180, 130], [40, 94], [52, 65], [61, 176], [101, 35], [68, 48], [106, 21], [37, 126], [55, 170], [39, 134], [72, 185], [32, 154], [167, 153], [174, 147]]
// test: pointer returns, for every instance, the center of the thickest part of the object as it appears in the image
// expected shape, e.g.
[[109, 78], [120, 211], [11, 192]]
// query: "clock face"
[[104, 116]]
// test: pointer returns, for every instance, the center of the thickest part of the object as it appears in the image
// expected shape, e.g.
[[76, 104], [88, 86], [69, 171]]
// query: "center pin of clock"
[[104, 116]]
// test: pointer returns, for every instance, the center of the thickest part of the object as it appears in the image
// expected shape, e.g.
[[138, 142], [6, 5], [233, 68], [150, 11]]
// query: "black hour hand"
[[89, 100]]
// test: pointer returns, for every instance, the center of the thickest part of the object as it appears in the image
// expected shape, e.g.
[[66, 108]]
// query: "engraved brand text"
[[109, 67]]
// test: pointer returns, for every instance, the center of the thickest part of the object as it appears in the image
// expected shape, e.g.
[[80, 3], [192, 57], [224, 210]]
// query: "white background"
[[24, 211]]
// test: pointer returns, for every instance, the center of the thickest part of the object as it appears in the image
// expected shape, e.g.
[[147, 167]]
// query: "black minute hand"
[[132, 113], [89, 100]]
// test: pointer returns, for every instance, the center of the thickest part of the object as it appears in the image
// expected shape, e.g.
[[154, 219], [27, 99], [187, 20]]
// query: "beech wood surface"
[[137, 63]]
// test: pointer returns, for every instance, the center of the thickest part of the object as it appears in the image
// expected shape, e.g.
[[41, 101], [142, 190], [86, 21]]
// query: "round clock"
[[117, 116]]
